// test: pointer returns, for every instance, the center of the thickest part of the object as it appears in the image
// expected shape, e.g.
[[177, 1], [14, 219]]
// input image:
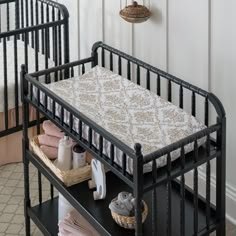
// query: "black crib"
[[41, 26], [175, 208]]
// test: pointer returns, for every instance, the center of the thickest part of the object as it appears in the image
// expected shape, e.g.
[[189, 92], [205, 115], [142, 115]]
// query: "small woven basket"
[[69, 177], [135, 13], [128, 222]]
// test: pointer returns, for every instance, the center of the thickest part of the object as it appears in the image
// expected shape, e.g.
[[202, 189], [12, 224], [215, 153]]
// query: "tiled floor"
[[11, 200]]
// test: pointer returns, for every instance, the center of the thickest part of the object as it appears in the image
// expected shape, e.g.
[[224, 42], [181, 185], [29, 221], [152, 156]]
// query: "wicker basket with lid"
[[135, 13]]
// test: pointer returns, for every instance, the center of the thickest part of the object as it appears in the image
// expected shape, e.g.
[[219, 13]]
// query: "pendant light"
[[135, 13]]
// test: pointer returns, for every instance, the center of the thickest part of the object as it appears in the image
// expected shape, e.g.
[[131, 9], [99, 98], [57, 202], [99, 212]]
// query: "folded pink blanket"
[[51, 129], [50, 152], [75, 225], [51, 141]]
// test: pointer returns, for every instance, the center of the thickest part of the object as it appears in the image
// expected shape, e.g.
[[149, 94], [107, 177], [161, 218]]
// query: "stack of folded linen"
[[75, 225], [50, 140]]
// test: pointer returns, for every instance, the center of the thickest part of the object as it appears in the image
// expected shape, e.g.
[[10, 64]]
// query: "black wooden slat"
[[5, 82], [42, 32], [169, 91], [124, 159], [148, 80], [119, 66], [138, 75], [16, 80], [158, 85], [208, 184], [100, 145], [80, 129], [112, 153], [128, 70], [154, 199], [90, 137], [103, 57], [111, 61], [206, 112], [193, 104], [181, 97]]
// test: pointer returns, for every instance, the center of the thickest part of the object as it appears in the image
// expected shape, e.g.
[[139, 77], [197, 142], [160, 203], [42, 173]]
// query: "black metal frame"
[[145, 186], [40, 24]]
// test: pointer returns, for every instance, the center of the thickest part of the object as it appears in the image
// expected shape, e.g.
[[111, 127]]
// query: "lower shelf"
[[45, 215]]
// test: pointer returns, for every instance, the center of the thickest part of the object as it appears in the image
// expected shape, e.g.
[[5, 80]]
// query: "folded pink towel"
[[75, 225], [51, 141], [51, 129], [50, 152]]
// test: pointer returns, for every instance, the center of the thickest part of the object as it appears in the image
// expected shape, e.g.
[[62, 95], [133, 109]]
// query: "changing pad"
[[127, 111], [11, 70]]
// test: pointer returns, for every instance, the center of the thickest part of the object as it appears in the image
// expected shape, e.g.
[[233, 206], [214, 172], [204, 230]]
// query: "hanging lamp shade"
[[135, 13]]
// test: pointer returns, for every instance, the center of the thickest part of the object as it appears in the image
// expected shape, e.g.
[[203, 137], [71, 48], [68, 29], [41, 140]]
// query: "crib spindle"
[[53, 34], [182, 193], [181, 103], [112, 153], [208, 184], [111, 61], [27, 13], [169, 91], [16, 80], [100, 145], [193, 104], [8, 20], [124, 159], [22, 16], [195, 187], [59, 40], [45, 101], [42, 32], [32, 21], [169, 190], [0, 22], [206, 112], [128, 70], [46, 56], [154, 199], [148, 80], [158, 85], [26, 50], [103, 57], [90, 137], [5, 82], [80, 129], [119, 66], [48, 32], [60, 74], [138, 75]]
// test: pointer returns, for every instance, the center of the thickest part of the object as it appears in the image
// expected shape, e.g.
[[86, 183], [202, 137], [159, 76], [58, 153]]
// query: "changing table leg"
[[25, 145], [138, 188]]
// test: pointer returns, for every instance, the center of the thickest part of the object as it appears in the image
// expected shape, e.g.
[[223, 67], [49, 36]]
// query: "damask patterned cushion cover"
[[127, 111], [11, 69]]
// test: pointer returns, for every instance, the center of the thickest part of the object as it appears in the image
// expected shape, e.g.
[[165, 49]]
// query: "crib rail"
[[212, 150]]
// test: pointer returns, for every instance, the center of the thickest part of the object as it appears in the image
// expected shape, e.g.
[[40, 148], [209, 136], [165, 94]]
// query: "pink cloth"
[[51, 141], [75, 225], [51, 129], [50, 152]]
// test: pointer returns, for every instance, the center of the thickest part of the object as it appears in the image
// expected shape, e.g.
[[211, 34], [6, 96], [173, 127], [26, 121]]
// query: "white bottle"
[[64, 160], [64, 163], [79, 156]]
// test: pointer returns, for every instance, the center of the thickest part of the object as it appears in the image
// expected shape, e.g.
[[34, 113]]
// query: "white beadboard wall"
[[192, 39]]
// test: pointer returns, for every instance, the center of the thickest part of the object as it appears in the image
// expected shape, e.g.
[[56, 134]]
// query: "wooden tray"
[[69, 177]]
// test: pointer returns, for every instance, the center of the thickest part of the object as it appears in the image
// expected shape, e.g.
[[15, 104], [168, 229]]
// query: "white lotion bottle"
[[64, 163]]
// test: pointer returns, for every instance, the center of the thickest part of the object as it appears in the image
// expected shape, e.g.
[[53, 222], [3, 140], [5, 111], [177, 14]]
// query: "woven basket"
[[128, 222], [135, 13], [69, 177]]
